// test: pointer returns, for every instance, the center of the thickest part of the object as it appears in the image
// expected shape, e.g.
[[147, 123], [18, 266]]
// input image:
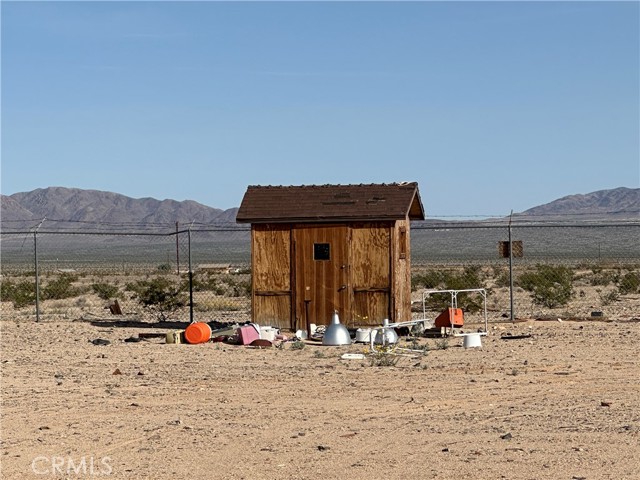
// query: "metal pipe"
[[511, 270], [177, 250], [35, 254], [190, 279]]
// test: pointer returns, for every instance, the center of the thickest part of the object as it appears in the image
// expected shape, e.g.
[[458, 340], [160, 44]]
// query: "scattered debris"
[[115, 309], [605, 404], [142, 335], [261, 343], [352, 356], [100, 341], [506, 436], [117, 372], [515, 337], [132, 339], [323, 448]]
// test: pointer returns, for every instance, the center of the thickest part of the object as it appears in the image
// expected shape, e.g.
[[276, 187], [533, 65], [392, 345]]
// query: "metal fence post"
[[511, 270], [35, 261], [190, 278]]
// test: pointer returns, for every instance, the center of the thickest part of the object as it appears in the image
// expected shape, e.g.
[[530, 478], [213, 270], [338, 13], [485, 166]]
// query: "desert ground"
[[553, 400]]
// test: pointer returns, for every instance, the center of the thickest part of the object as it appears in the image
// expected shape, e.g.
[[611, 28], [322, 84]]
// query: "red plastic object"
[[247, 334], [451, 317]]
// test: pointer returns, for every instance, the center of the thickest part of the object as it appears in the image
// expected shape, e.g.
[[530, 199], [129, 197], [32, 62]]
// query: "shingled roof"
[[330, 203]]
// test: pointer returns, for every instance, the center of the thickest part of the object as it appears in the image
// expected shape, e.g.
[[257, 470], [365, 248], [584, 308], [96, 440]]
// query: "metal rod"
[[35, 254], [177, 250], [512, 314], [190, 280], [35, 262]]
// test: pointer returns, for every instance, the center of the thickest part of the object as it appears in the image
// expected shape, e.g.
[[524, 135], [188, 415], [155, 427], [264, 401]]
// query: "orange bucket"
[[197, 332]]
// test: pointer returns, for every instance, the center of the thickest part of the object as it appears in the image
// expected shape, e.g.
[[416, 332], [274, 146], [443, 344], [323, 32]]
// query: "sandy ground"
[[563, 403]]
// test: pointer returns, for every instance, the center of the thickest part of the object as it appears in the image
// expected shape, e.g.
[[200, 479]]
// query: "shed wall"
[[370, 272], [271, 274], [401, 254]]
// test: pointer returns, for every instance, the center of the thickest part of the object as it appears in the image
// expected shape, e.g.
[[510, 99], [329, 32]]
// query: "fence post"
[[511, 270], [190, 278], [35, 262], [177, 250]]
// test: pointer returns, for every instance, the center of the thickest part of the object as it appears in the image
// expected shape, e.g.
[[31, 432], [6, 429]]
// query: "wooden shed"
[[320, 248]]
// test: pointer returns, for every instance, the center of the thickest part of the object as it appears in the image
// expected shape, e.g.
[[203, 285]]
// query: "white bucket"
[[269, 333], [472, 340], [363, 335]]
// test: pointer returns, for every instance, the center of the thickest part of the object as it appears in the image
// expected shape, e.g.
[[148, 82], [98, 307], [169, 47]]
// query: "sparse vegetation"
[[609, 297], [159, 294], [550, 286], [603, 278], [629, 283], [21, 294], [383, 356], [105, 291], [442, 343], [61, 288]]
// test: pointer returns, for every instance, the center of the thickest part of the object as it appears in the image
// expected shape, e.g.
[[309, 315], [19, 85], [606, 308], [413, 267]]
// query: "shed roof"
[[330, 203]]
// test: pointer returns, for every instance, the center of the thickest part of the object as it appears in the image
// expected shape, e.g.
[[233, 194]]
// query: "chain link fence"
[[203, 274]]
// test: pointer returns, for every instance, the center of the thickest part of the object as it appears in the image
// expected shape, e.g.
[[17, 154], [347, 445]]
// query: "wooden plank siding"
[[370, 268], [271, 274], [401, 254]]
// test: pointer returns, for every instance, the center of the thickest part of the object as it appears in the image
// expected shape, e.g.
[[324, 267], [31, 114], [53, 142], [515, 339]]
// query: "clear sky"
[[489, 106]]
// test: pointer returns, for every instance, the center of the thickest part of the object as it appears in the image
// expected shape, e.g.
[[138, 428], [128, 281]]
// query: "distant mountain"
[[618, 203], [77, 209], [64, 207]]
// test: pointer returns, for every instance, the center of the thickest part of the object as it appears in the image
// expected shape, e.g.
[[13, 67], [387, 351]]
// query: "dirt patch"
[[561, 402]]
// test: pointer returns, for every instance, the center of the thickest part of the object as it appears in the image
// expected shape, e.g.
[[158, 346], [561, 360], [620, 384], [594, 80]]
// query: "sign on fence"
[[503, 249]]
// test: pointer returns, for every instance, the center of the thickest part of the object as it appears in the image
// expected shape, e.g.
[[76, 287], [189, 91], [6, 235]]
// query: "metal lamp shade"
[[336, 333]]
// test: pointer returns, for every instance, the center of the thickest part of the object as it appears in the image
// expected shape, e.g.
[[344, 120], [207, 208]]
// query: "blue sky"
[[489, 106]]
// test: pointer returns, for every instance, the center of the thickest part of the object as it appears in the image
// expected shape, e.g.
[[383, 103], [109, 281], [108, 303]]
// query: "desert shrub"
[[105, 291], [222, 304], [164, 267], [609, 297], [20, 294], [629, 283], [205, 283], [298, 345], [61, 288], [428, 279], [501, 276], [604, 278], [442, 343], [383, 359], [159, 294], [550, 286], [239, 288], [470, 277]]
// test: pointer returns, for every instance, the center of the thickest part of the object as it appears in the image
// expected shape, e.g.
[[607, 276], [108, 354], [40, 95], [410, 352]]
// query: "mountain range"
[[66, 207]]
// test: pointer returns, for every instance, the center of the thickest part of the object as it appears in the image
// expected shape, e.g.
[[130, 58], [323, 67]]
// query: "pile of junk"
[[334, 334]]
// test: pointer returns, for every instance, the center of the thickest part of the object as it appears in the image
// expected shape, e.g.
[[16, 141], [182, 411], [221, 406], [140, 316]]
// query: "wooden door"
[[321, 274]]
